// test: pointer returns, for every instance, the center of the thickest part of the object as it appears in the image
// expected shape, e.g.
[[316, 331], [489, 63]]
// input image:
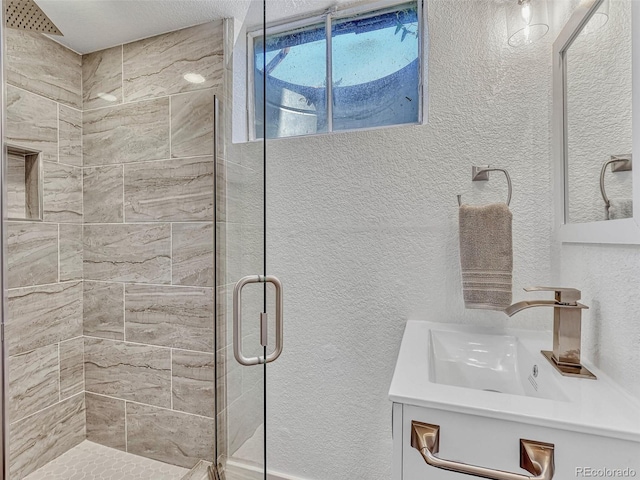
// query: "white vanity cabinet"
[[494, 443], [487, 389]]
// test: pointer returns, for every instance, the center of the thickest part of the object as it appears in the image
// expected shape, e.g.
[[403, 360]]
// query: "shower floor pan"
[[90, 461]]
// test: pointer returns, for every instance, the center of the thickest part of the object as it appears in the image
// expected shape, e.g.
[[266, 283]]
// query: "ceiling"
[[90, 25]]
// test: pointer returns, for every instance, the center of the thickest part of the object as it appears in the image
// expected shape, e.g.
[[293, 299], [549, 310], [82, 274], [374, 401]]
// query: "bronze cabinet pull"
[[535, 457]]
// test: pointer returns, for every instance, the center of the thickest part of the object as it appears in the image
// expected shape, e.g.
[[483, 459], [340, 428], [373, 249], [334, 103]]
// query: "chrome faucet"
[[567, 318]]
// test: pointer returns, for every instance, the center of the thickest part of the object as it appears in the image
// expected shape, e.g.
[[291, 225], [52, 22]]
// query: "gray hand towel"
[[486, 256], [619, 208]]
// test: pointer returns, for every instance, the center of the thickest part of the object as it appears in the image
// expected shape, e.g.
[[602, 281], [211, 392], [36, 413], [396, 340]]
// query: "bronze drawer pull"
[[535, 457]]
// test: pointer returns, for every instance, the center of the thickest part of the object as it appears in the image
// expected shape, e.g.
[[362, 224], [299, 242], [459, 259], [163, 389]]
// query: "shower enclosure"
[[109, 177], [130, 216]]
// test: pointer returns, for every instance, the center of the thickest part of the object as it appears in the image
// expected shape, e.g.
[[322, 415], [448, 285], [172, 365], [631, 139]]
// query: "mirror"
[[593, 115], [598, 116]]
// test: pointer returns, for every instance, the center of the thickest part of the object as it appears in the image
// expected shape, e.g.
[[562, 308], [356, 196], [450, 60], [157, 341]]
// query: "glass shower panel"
[[241, 388], [240, 253], [111, 279]]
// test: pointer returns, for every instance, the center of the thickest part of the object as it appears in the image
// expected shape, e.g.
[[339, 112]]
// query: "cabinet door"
[[495, 443]]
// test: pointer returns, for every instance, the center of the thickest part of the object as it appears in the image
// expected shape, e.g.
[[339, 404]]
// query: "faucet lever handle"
[[565, 296]]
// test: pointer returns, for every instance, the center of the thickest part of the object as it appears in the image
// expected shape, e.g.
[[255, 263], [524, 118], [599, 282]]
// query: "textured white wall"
[[599, 106], [608, 276], [362, 230]]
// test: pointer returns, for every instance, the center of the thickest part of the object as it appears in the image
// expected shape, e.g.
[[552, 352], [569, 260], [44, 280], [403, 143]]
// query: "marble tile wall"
[[44, 259], [110, 324], [148, 238], [45, 435], [111, 304]]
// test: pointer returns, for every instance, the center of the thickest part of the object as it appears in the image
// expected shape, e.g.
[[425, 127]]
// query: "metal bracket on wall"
[[480, 173]]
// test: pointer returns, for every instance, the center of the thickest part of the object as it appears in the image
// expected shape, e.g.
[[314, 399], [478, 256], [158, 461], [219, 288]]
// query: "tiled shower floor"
[[90, 461]]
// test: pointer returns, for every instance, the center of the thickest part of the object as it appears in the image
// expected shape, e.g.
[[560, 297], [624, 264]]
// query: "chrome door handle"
[[237, 321], [535, 457]]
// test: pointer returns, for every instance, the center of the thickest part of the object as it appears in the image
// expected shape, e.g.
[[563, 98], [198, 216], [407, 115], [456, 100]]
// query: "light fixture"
[[527, 21], [598, 19], [194, 78]]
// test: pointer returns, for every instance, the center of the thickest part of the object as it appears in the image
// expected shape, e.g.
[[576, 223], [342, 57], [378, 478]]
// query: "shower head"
[[26, 15]]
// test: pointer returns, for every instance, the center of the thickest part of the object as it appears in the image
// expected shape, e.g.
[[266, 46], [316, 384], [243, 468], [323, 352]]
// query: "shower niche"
[[24, 184]]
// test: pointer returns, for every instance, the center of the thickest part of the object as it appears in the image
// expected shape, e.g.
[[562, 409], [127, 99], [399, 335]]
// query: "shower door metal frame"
[[4, 470]]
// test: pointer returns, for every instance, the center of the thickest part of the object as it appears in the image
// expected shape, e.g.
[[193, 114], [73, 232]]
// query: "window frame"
[[328, 16]]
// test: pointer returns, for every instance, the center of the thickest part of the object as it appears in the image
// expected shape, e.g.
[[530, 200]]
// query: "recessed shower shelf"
[[24, 184]]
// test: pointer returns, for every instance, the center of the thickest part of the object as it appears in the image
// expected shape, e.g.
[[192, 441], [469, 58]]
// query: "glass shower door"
[[240, 217], [241, 387], [241, 266]]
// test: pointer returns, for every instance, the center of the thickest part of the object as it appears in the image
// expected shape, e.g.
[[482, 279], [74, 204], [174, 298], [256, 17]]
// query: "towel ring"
[[625, 166], [482, 174]]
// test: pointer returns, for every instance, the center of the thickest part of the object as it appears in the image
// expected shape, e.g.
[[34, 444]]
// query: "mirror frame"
[[624, 231]]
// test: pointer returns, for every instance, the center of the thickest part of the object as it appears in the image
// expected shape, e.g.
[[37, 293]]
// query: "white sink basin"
[[502, 374], [493, 363]]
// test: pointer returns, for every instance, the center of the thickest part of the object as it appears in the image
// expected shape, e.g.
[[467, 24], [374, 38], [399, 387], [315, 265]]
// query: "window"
[[365, 73]]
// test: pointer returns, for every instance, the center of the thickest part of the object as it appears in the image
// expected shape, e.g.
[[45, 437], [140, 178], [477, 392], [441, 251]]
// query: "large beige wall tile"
[[180, 317], [70, 252], [192, 254], [156, 66], [33, 382], [40, 438], [127, 253], [128, 371], [102, 78], [193, 376], [62, 193], [40, 65], [240, 196], [126, 133], [39, 316], [192, 124], [103, 194], [104, 310], [242, 249], [178, 190], [105, 421], [169, 436], [32, 253], [70, 128], [229, 379], [32, 122], [71, 367]]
